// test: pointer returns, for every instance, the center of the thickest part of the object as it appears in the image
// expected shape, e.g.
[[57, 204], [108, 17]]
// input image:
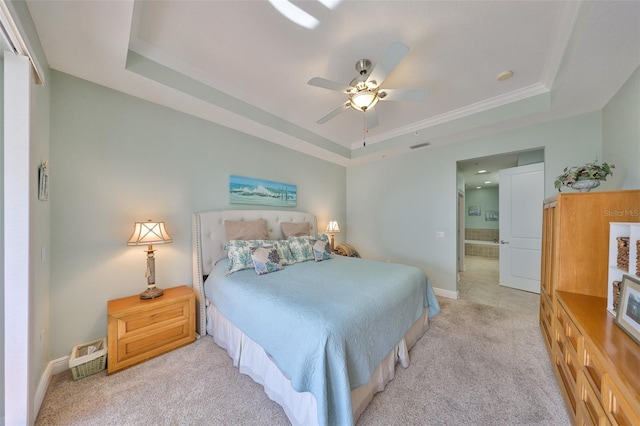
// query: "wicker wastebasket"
[[88, 358]]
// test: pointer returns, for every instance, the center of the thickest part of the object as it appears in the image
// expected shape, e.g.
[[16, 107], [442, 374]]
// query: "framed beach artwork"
[[474, 211], [245, 190], [491, 215]]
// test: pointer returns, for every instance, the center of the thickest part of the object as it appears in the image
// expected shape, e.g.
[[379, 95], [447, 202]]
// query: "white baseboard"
[[60, 365], [56, 366], [43, 384], [446, 293]]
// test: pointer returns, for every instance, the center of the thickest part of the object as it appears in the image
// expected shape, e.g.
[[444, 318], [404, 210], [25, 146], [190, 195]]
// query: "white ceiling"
[[244, 65]]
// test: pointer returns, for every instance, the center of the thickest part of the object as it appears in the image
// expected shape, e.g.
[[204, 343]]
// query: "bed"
[[321, 337]]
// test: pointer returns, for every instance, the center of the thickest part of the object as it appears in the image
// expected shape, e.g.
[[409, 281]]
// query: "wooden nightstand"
[[138, 330]]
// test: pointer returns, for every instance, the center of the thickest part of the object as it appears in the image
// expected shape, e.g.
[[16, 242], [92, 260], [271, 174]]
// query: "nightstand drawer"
[[142, 329], [142, 335], [143, 322]]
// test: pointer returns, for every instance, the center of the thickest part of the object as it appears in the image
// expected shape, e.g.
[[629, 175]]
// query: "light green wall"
[[530, 157], [486, 199], [621, 134], [395, 206], [117, 159]]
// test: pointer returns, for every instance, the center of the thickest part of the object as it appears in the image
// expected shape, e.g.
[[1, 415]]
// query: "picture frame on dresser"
[[628, 315]]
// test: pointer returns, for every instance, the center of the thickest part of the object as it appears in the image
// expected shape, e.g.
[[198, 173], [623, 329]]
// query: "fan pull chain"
[[364, 128]]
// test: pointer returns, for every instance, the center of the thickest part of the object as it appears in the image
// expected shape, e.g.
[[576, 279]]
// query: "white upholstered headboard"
[[209, 238]]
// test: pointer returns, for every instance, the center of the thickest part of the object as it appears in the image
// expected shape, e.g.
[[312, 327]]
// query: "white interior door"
[[520, 202]]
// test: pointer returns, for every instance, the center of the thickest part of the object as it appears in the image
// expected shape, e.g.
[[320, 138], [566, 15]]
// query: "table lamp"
[[332, 229], [147, 234]]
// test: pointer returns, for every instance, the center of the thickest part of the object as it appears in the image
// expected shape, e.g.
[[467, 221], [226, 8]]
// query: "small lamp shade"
[[332, 228], [147, 234]]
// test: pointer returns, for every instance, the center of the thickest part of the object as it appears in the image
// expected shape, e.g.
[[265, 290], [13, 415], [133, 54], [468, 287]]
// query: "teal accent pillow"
[[239, 253], [285, 252], [266, 259], [302, 247]]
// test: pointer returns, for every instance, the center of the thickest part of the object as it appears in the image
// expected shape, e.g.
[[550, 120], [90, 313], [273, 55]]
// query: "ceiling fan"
[[364, 91]]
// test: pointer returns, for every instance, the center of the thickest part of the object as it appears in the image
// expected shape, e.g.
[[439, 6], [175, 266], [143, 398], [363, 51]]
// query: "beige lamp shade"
[[146, 233], [332, 227]]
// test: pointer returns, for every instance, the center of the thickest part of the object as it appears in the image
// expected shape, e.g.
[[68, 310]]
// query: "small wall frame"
[[43, 181], [628, 314]]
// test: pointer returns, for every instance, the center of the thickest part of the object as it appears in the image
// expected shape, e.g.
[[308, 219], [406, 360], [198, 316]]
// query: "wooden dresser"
[[596, 363], [138, 329]]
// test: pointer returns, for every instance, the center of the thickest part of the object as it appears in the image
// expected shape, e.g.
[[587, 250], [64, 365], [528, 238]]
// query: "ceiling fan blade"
[[389, 61], [414, 95], [328, 84], [333, 113], [371, 118]]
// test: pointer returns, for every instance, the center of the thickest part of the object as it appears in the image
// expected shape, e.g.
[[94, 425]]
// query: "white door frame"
[[461, 236], [18, 383]]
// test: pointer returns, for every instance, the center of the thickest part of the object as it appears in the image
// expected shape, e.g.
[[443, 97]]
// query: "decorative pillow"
[[239, 253], [295, 229], [285, 252], [321, 250], [246, 230], [301, 248], [266, 259]]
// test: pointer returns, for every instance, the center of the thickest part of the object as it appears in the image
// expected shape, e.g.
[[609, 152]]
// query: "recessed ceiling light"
[[478, 187], [505, 75], [487, 182], [481, 171]]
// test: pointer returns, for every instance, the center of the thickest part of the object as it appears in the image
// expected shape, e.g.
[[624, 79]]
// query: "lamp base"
[[151, 293]]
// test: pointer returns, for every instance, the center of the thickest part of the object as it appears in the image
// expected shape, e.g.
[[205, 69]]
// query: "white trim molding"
[[56, 366], [455, 295], [11, 34]]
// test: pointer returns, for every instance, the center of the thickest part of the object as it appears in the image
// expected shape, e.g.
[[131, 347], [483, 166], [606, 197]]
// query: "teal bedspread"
[[327, 325]]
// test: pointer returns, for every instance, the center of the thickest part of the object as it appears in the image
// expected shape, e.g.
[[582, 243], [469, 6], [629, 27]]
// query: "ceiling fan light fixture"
[[364, 100], [365, 90]]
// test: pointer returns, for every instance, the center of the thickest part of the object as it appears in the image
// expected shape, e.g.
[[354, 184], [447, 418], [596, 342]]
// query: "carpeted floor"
[[477, 365]]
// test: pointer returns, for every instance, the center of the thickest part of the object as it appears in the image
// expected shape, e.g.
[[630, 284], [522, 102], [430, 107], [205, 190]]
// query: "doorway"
[[478, 230]]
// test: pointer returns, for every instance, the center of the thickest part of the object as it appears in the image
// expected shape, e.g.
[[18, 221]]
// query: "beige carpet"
[[477, 365]]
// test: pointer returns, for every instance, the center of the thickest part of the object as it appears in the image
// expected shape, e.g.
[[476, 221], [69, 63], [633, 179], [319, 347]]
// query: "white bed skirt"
[[300, 407]]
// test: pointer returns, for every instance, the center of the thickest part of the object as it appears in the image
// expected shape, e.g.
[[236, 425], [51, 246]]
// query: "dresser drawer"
[[590, 411], [593, 368], [568, 383], [546, 319], [568, 331], [619, 409]]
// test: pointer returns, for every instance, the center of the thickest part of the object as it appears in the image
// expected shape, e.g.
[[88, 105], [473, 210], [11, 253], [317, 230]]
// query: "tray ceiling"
[[244, 65]]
